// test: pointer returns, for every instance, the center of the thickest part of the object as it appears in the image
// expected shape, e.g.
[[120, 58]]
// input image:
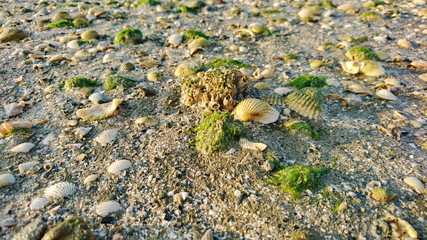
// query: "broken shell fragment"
[[7, 179], [360, 89], [351, 67], [100, 111], [38, 203], [105, 208], [415, 183], [253, 109], [386, 95], [118, 166], [401, 227], [246, 144], [60, 190], [98, 98], [106, 136], [22, 148], [8, 127], [175, 39], [372, 68], [25, 167], [308, 102], [150, 121], [81, 132]]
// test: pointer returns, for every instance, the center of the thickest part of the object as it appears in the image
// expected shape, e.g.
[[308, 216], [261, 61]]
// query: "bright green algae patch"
[[226, 63], [113, 82], [79, 82], [193, 34], [301, 127], [362, 53], [128, 36], [60, 24], [149, 2], [217, 132], [308, 81]]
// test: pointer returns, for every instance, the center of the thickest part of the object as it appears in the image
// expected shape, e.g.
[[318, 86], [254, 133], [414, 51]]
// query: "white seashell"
[[246, 144], [22, 148], [90, 17], [386, 94], [83, 54], [392, 81], [81, 132], [56, 58], [48, 139], [267, 73], [102, 46], [360, 89], [351, 67], [38, 203], [423, 77], [25, 167], [118, 166], [151, 121], [7, 179], [73, 44], [60, 190], [415, 183], [253, 109], [106, 136], [109, 57], [13, 109], [283, 90], [100, 111], [105, 208], [93, 50], [175, 39], [98, 98], [90, 178], [344, 45]]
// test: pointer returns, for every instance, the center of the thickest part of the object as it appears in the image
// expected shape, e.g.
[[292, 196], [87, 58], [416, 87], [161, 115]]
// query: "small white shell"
[[386, 94], [98, 98], [90, 178], [351, 67], [415, 183], [22, 148], [60, 190], [359, 88], [118, 166], [109, 57], [175, 39], [246, 144], [81, 132], [105, 208], [73, 44], [7, 179], [283, 90], [38, 203], [25, 167], [107, 136], [267, 73]]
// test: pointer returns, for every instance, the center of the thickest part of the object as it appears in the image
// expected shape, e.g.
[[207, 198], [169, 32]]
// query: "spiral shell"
[[60, 190], [105, 208], [253, 109], [372, 68], [7, 179], [118, 166], [246, 144], [307, 102], [99, 111]]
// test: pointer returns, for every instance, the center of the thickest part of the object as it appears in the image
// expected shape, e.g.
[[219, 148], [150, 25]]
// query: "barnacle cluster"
[[214, 89]]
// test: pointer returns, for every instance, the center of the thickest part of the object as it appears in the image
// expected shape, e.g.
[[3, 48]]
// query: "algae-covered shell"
[[382, 195], [401, 227], [22, 148], [246, 144], [107, 136], [118, 166], [262, 86], [154, 76], [128, 36], [352, 67], [8, 127], [185, 69], [38, 203], [100, 111], [90, 178], [275, 99], [60, 190], [372, 68], [308, 102], [90, 35], [127, 66], [386, 94], [308, 13], [253, 109], [105, 208], [415, 183], [7, 179], [199, 42], [259, 29]]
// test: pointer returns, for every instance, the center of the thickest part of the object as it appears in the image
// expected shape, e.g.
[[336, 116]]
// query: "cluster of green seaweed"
[[19, 132], [112, 82]]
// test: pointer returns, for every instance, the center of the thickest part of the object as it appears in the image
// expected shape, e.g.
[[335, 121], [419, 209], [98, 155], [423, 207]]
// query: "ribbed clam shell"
[[99, 111], [351, 67], [253, 109], [306, 101], [118, 166], [415, 183], [90, 178], [25, 167], [372, 68], [127, 66], [38, 203], [106, 136], [7, 179], [22, 148], [386, 94], [105, 208], [275, 99], [246, 144], [60, 190]]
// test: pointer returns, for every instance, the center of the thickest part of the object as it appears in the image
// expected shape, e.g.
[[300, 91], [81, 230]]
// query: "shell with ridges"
[[253, 109], [306, 101], [7, 179], [372, 68], [275, 99], [127, 66], [118, 166], [105, 208], [246, 144], [99, 111], [60, 190]]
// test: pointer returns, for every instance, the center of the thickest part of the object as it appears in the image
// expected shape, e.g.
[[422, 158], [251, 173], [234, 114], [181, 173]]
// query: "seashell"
[[81, 132], [56, 58], [372, 68], [199, 43], [392, 81], [74, 44], [83, 54], [253, 109], [360, 89], [105, 208], [275, 99], [245, 71], [401, 227], [90, 178], [352, 67], [25, 167], [283, 90], [109, 57], [106, 136], [14, 109], [246, 144], [262, 85], [22, 148], [333, 82], [415, 183], [97, 12], [97, 98], [7, 179], [316, 63], [382, 195], [38, 203], [127, 66], [8, 127], [308, 13], [423, 77], [48, 166], [150, 63], [403, 43], [257, 74], [154, 76], [194, 50], [267, 73], [344, 45], [102, 46], [90, 35], [386, 95], [306, 101], [100, 111], [419, 64], [348, 8], [61, 16], [118, 166], [60, 190], [185, 69], [151, 121]]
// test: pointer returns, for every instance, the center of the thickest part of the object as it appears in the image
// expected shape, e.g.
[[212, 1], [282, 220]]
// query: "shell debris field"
[[183, 112]]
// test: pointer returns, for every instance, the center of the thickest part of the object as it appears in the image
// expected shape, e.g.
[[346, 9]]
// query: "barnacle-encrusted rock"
[[128, 36], [215, 89], [11, 34], [216, 132], [74, 228]]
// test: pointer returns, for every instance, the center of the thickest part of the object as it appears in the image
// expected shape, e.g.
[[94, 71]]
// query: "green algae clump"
[[60, 24], [128, 36], [362, 53], [193, 34], [297, 179], [227, 63], [79, 82], [307, 81], [301, 127], [21, 132], [113, 82], [73, 228], [149, 2], [217, 132]]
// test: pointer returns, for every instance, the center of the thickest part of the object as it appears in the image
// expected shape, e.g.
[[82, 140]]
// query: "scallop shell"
[[246, 144], [25, 167], [402, 227], [106, 136], [415, 183], [99, 111], [372, 68], [253, 109], [306, 101], [151, 121], [22, 148], [38, 203], [127, 66], [105, 208], [351, 67], [386, 94], [60, 190], [360, 89], [98, 98], [81, 132], [118, 166], [97, 12], [7, 179], [90, 178], [275, 99]]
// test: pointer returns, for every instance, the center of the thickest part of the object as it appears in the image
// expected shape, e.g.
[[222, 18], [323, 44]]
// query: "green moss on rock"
[[113, 82], [21, 132], [149, 2], [128, 36], [308, 81], [193, 34], [79, 82], [227, 63], [362, 53], [60, 24], [217, 132], [73, 228], [301, 127]]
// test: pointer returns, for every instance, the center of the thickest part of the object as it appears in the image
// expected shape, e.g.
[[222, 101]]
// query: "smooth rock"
[[11, 34], [33, 231]]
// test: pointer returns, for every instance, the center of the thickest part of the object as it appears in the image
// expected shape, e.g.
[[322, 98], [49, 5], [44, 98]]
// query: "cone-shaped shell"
[[351, 67], [253, 109], [372, 68], [60, 190], [99, 111], [246, 144], [307, 102]]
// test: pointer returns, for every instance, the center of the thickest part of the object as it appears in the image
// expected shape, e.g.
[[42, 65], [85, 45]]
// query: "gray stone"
[[33, 231]]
